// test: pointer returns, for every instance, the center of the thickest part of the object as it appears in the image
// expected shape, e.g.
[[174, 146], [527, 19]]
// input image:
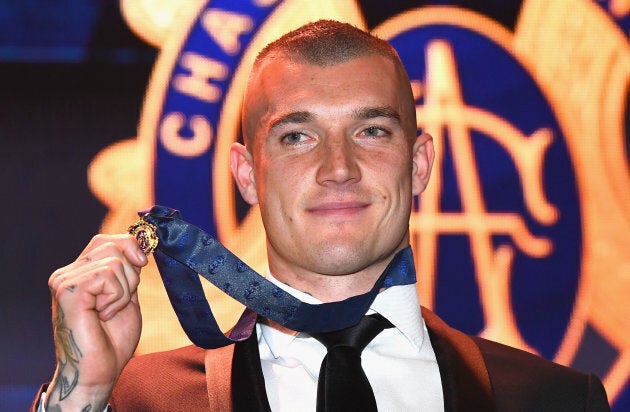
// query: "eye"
[[374, 131], [293, 138]]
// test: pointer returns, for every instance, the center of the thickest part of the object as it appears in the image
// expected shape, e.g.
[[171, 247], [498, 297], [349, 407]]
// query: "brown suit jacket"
[[477, 375]]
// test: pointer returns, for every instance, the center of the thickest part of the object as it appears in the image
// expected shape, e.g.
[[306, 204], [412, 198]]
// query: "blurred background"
[[98, 102]]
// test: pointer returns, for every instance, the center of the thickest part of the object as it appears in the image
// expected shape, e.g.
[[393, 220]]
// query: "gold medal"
[[145, 234]]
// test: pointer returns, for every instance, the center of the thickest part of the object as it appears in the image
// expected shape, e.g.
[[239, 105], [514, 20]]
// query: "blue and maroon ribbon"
[[184, 252]]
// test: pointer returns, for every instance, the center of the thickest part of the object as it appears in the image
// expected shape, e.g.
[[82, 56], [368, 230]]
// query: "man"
[[333, 159]]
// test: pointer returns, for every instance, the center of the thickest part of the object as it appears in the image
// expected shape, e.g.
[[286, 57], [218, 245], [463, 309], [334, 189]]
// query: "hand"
[[96, 321]]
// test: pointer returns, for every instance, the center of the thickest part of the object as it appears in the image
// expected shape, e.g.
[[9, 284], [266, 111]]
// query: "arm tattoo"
[[68, 356], [57, 408]]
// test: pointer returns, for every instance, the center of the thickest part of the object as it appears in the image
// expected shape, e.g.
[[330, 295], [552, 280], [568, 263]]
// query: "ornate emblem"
[[145, 234]]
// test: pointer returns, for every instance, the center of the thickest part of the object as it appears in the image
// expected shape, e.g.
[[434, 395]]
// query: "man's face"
[[333, 164]]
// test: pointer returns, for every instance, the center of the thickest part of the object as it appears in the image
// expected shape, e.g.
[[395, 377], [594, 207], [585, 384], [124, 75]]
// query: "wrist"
[[64, 395]]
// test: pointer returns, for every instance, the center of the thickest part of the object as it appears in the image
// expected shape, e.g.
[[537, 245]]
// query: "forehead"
[[286, 75], [284, 85]]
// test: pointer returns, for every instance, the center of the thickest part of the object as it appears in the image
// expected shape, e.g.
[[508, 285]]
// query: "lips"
[[344, 208]]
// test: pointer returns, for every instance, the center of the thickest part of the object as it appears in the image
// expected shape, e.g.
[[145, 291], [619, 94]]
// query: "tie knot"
[[357, 336]]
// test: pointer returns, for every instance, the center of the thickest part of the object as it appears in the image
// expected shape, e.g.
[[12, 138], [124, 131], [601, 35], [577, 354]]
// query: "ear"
[[423, 155], [242, 166]]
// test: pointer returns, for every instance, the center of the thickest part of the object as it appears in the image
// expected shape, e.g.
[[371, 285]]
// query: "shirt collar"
[[399, 304]]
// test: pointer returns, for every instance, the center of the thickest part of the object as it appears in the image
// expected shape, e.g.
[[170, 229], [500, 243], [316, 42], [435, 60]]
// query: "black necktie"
[[342, 384]]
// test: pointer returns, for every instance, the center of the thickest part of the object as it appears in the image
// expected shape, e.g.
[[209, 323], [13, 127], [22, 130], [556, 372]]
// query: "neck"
[[330, 288]]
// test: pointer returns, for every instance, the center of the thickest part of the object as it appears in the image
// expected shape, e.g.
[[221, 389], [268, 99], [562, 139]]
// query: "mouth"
[[339, 209]]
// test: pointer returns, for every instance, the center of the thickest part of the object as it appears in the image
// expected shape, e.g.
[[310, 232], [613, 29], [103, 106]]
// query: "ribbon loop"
[[184, 252]]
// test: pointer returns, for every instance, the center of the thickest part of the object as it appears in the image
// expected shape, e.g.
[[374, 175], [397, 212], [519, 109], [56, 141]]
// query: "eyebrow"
[[373, 112], [293, 117]]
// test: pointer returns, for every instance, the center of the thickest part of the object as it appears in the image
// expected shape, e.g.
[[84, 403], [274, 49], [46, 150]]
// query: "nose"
[[338, 162]]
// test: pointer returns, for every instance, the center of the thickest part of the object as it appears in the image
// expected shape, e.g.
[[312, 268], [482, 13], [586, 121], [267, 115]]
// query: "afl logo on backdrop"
[[525, 160]]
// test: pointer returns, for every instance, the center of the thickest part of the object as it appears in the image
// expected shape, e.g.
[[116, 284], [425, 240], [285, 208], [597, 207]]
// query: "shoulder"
[[517, 365], [521, 378], [506, 359], [162, 380]]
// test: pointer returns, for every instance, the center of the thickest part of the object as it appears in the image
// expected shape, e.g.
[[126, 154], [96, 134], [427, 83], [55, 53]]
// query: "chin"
[[342, 260]]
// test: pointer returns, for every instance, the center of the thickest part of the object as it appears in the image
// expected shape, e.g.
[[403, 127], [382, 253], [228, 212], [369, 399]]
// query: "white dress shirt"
[[399, 363]]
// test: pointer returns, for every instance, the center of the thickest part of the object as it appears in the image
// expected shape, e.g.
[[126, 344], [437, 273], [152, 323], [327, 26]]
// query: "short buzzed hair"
[[326, 43]]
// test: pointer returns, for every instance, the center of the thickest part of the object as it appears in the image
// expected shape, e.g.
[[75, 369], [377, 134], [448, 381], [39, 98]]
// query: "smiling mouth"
[[342, 209]]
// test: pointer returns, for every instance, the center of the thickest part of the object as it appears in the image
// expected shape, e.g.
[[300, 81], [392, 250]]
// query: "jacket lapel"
[[248, 383], [219, 378], [240, 388], [465, 380]]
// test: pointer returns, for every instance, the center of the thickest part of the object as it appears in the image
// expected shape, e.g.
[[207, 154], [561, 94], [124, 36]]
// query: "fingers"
[[104, 278], [126, 243]]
